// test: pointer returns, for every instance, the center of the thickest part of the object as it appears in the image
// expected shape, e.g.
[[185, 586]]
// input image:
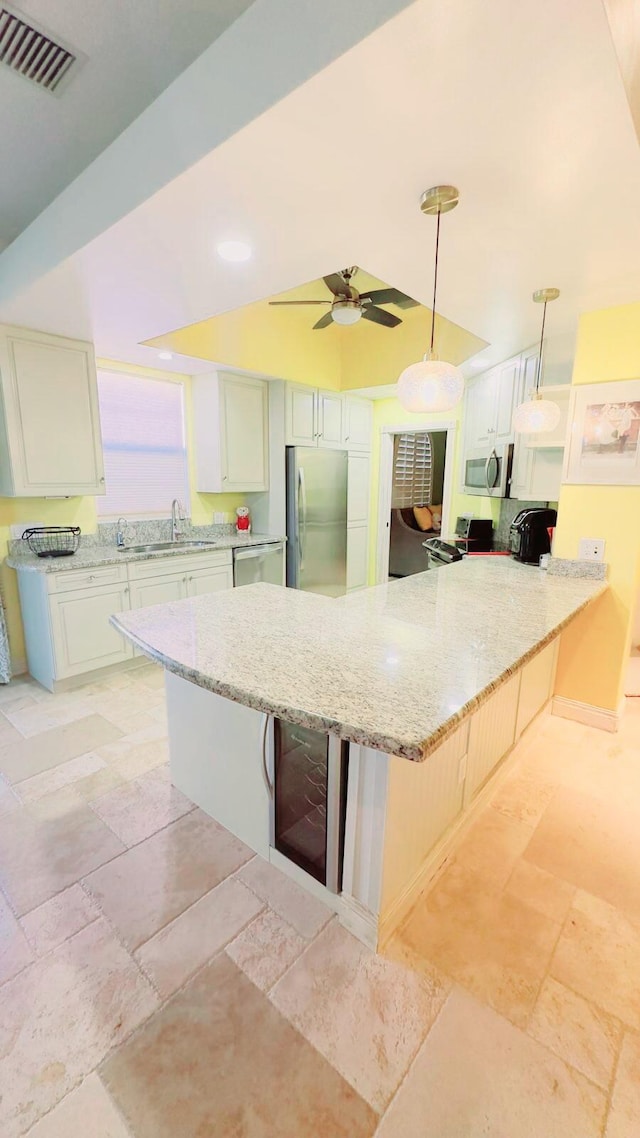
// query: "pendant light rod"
[[543, 296], [435, 287]]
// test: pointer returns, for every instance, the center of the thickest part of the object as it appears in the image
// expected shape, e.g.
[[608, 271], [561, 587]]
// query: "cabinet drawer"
[[71, 579], [179, 564]]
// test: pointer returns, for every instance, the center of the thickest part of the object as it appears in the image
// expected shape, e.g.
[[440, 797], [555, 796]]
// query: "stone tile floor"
[[157, 980]]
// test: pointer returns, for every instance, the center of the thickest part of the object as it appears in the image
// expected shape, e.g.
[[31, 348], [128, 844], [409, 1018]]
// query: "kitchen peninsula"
[[422, 687]]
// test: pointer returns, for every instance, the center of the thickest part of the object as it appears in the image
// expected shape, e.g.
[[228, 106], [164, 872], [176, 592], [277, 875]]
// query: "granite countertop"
[[395, 667], [93, 555]]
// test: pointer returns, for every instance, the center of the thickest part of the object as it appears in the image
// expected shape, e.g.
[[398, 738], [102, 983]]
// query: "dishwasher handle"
[[256, 551]]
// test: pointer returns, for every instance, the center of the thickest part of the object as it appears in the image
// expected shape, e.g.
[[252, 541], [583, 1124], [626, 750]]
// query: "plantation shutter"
[[412, 470]]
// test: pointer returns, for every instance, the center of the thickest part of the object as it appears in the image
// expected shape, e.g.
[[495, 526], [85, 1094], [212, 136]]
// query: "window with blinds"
[[412, 470], [145, 453]]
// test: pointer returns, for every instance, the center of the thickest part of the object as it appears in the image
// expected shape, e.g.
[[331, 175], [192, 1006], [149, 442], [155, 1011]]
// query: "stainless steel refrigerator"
[[317, 520]]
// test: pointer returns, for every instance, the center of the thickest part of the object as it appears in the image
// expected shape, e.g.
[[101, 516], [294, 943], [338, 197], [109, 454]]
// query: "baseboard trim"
[[359, 921], [587, 713]]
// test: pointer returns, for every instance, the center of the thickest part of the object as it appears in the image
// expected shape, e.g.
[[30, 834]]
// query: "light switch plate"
[[591, 549]]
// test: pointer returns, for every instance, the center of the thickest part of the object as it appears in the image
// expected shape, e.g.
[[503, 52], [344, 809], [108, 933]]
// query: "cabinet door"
[[83, 639], [508, 396], [244, 425], [522, 470], [51, 415], [358, 488], [158, 590], [330, 429], [301, 415], [480, 411], [209, 580], [357, 556], [357, 422]]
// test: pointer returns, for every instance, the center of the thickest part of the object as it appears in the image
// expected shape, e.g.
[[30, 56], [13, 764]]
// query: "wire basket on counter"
[[52, 541]]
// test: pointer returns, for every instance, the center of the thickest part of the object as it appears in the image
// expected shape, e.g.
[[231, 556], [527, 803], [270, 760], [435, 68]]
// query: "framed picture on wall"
[[603, 440]]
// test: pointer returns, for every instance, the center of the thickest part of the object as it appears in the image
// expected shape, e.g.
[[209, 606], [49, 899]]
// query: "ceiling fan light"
[[346, 311], [430, 385], [536, 417]]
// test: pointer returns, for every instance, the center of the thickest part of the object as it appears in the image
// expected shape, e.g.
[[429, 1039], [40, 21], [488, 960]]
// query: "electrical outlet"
[[591, 549]]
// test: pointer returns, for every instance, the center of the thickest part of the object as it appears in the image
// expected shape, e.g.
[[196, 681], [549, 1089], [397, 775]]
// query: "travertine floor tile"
[[60, 1017], [487, 940], [597, 956], [138, 809], [58, 919], [65, 774], [15, 952], [477, 1075], [594, 844], [266, 948], [136, 754], [624, 1118], [39, 857], [8, 733], [297, 907], [365, 1014], [39, 717], [28, 757], [219, 1060], [86, 1111], [492, 846], [580, 1033], [179, 949], [540, 890], [524, 797], [152, 883], [8, 800]]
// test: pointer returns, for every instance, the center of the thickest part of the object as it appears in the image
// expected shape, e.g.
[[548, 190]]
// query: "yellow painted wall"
[[595, 648], [82, 511]]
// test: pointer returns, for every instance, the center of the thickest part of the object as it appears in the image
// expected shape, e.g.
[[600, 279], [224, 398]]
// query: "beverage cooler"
[[309, 800]]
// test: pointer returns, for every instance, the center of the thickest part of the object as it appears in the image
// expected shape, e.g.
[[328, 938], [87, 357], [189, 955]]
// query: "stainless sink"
[[164, 546]]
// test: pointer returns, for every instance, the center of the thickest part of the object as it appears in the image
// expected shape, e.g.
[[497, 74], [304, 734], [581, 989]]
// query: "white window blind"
[[412, 470], [145, 454]]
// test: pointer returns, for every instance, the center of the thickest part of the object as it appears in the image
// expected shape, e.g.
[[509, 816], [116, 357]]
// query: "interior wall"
[[595, 647], [83, 512]]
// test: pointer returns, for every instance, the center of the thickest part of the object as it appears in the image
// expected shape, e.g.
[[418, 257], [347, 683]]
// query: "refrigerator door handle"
[[302, 514]]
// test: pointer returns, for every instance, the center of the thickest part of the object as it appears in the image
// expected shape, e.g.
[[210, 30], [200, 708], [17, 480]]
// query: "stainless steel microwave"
[[488, 471]]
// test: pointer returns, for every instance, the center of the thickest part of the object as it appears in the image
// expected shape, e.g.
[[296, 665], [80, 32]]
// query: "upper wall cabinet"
[[50, 442], [490, 401], [231, 432], [326, 419]]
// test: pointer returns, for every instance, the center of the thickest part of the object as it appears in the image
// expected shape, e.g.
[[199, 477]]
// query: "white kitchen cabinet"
[[330, 429], [231, 432], [538, 459], [300, 415], [314, 417], [357, 555], [50, 441], [508, 388], [357, 419], [358, 487], [490, 400], [201, 581], [66, 614], [158, 590]]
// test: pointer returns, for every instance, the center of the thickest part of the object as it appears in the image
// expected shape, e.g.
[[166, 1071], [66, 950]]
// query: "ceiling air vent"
[[35, 53]]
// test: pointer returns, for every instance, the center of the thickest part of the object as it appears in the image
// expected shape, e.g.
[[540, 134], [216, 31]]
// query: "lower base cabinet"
[[66, 614], [357, 555]]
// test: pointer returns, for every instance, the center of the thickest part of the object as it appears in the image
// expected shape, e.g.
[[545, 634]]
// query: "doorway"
[[416, 473]]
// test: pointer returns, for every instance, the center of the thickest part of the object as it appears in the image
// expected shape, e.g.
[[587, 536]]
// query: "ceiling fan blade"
[[379, 316], [390, 296], [337, 285], [299, 302], [324, 321]]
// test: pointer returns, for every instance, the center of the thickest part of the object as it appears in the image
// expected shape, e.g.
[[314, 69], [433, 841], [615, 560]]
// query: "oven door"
[[488, 472]]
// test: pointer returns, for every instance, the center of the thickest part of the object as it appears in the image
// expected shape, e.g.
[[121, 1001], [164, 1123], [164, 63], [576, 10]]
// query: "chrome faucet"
[[122, 525], [177, 516]]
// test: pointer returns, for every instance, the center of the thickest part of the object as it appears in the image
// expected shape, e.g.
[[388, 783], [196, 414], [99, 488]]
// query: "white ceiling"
[[523, 109], [135, 48]]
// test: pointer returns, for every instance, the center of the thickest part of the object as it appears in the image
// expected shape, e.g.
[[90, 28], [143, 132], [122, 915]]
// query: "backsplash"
[[144, 533]]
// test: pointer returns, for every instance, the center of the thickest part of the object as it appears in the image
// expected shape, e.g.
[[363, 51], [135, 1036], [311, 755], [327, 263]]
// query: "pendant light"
[[537, 415], [432, 384]]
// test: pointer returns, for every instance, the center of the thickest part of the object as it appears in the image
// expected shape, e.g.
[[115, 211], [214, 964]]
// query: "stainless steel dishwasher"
[[259, 563]]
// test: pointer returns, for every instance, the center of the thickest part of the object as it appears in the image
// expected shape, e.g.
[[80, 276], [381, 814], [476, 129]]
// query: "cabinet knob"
[[126, 589], [102, 480], [346, 438]]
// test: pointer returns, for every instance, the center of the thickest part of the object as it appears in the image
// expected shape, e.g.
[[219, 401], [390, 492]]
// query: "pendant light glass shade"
[[536, 416], [430, 385]]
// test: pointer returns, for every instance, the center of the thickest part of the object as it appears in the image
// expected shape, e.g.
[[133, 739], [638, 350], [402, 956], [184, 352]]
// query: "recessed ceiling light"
[[234, 250], [165, 355]]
